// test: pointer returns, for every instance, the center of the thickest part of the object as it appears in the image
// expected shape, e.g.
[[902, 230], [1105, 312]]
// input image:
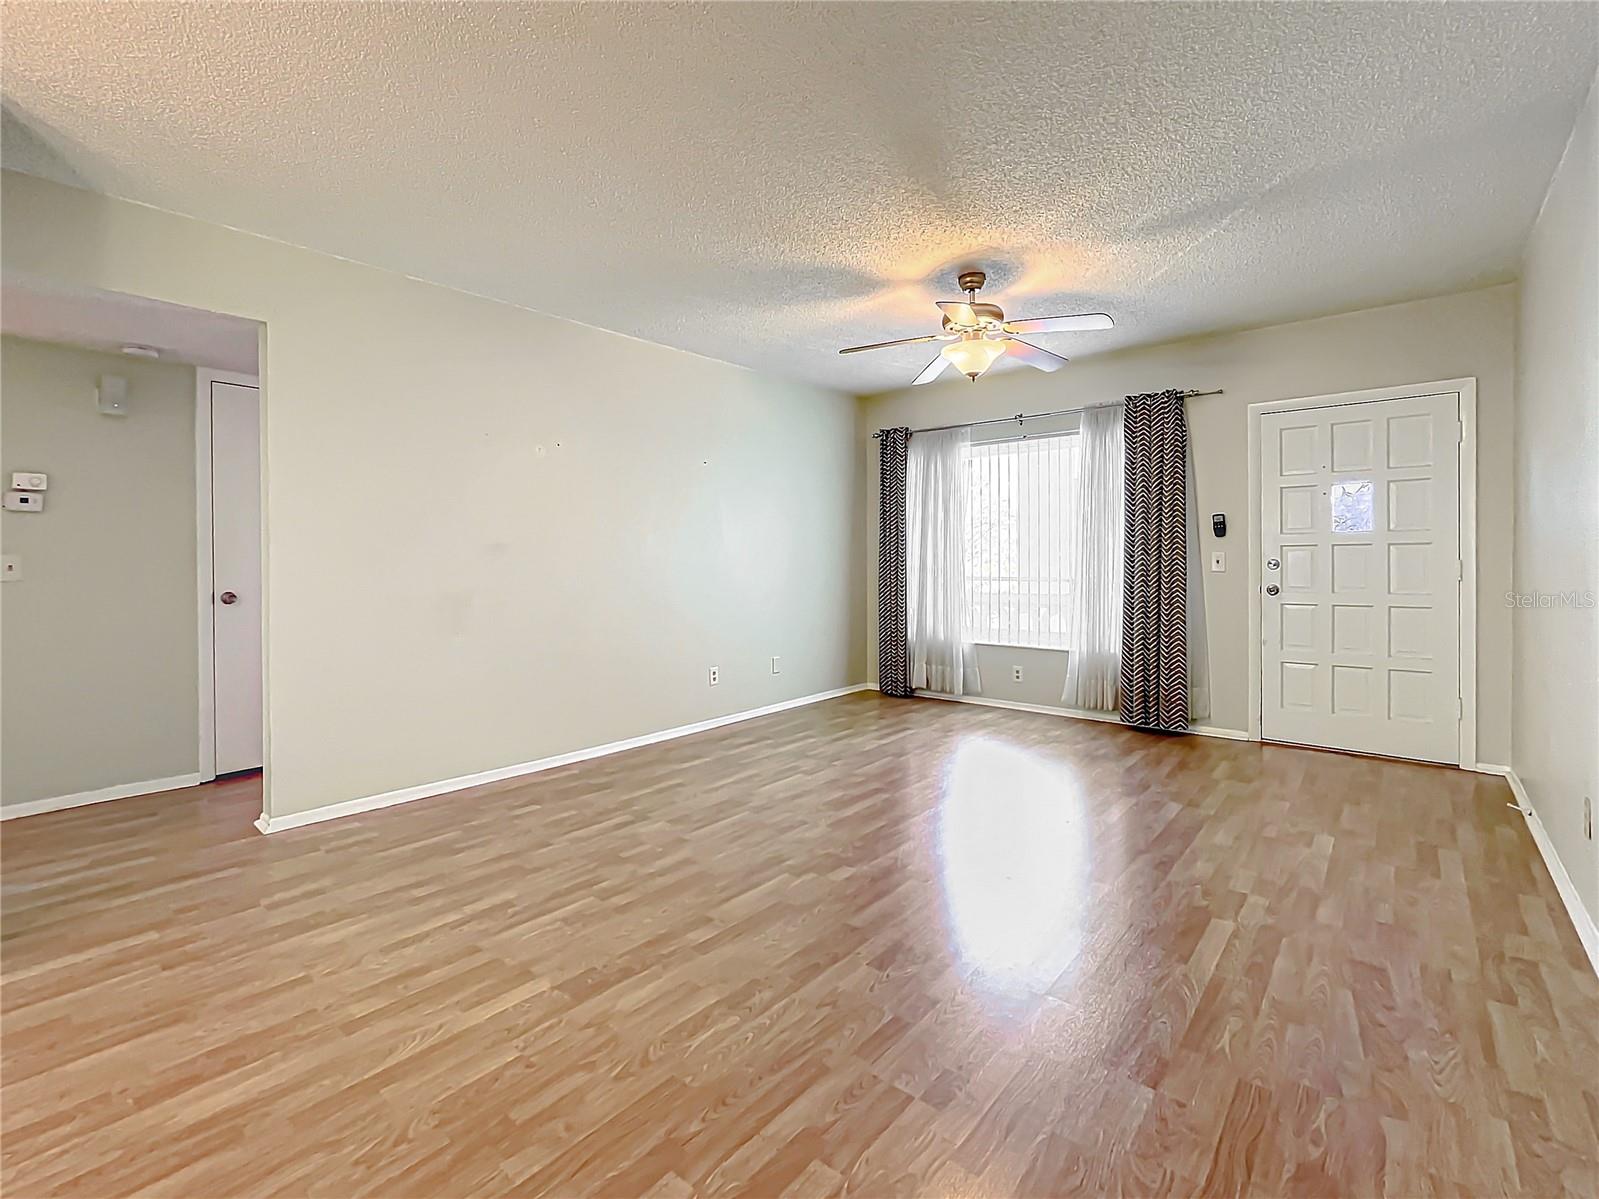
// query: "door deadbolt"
[[227, 597], [1272, 564]]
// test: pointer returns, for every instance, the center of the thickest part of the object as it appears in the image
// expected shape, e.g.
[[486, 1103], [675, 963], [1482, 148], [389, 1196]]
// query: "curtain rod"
[[1021, 416]]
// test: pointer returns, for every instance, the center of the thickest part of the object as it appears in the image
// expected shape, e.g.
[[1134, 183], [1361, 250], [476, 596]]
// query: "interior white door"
[[236, 574], [1360, 606]]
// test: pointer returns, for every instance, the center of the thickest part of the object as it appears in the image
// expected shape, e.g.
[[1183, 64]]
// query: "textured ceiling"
[[103, 320], [765, 183]]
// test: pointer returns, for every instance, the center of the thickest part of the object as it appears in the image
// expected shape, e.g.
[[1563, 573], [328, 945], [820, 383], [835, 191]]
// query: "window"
[[1019, 540], [1351, 506]]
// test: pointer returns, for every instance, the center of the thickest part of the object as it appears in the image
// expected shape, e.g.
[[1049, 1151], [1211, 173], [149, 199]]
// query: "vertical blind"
[[1019, 540]]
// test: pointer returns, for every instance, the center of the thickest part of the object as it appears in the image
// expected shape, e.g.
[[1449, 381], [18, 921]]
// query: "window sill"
[[1054, 649]]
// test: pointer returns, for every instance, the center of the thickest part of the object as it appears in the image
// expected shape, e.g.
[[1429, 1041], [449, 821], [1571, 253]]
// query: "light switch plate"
[[24, 501], [29, 480], [1218, 560], [10, 567], [111, 397]]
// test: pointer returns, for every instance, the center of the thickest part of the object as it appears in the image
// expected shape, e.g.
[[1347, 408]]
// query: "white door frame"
[[1466, 389], [203, 379]]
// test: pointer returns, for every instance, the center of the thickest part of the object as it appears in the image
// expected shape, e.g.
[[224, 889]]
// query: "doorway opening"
[[135, 427]]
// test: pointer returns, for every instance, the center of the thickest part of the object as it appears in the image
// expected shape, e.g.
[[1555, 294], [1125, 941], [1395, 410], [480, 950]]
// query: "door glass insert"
[[1351, 506]]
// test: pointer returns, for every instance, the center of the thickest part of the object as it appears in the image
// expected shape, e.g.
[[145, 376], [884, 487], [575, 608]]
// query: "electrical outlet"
[[716, 675], [1015, 674], [777, 664]]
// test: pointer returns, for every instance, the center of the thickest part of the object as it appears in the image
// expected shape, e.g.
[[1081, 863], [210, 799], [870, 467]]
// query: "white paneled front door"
[[1360, 546]]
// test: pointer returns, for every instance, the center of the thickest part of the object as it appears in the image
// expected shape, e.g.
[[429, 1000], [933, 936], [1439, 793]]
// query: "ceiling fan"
[[978, 335]]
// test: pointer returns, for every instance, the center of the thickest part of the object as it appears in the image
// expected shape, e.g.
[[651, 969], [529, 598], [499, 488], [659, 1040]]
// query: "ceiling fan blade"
[[959, 312], [903, 341], [931, 371], [1083, 322], [1033, 356]]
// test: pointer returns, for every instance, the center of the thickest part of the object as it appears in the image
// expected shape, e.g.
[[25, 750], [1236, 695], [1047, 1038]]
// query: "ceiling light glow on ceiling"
[[141, 351], [973, 355]]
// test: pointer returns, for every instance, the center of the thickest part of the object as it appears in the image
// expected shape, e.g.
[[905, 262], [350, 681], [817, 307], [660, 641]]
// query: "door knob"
[[227, 597], [1271, 588], [1272, 563]]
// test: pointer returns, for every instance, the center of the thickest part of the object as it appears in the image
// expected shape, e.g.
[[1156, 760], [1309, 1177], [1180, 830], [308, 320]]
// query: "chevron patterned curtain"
[[1154, 667], [893, 670]]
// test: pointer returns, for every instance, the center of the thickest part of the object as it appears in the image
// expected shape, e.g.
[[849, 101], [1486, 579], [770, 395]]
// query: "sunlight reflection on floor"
[[1014, 860]]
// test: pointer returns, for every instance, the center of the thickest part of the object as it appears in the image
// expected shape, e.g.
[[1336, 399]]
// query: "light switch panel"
[[10, 567], [29, 480], [111, 397], [1218, 560]]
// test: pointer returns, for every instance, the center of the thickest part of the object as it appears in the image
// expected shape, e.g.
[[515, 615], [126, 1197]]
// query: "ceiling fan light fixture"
[[973, 355], [978, 334]]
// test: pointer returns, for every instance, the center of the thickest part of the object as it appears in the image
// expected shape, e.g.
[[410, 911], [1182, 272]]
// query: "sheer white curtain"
[[936, 500], [1093, 664]]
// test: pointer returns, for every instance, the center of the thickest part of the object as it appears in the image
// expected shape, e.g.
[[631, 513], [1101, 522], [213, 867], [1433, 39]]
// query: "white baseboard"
[[1211, 730], [1581, 920], [83, 799], [1198, 730], [370, 803]]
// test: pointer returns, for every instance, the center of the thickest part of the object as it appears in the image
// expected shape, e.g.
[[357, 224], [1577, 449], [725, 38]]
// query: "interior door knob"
[[227, 597], [1271, 589]]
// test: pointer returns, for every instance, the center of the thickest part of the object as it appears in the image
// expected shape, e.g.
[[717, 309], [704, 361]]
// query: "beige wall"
[[98, 648], [1557, 509], [493, 535], [1471, 334]]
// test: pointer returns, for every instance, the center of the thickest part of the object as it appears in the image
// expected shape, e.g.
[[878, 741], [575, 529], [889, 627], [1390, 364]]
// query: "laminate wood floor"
[[871, 946]]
